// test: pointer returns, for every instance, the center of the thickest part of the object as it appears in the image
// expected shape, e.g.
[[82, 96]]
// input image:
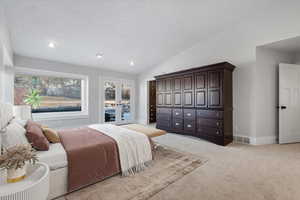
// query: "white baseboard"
[[255, 140], [263, 140]]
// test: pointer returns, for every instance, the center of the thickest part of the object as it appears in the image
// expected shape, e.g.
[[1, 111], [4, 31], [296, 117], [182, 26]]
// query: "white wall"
[[6, 55], [266, 93], [297, 58], [95, 86], [236, 44], [5, 37]]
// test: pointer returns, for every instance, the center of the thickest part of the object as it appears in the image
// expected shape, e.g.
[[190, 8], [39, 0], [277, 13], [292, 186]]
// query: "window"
[[58, 92]]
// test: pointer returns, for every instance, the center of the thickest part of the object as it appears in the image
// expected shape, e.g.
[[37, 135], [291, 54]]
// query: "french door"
[[118, 104]]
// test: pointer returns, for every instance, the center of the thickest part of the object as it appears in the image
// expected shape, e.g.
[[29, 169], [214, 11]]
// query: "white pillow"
[[14, 135]]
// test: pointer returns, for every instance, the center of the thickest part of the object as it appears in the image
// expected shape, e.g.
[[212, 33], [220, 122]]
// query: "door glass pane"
[[110, 101], [125, 102]]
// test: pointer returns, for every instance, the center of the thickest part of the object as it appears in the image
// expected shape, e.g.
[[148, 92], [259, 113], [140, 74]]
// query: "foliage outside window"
[[57, 94]]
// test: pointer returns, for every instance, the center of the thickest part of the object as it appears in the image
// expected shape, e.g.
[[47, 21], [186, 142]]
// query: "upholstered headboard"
[[6, 114]]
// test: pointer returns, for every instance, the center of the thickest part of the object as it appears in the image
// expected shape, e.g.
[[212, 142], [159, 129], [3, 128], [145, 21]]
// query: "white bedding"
[[134, 148], [55, 157]]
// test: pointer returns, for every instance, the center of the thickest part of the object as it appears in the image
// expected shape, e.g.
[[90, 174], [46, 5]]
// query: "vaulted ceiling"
[[145, 31]]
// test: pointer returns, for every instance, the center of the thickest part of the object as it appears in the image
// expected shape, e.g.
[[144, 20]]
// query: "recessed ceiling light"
[[51, 45], [99, 55], [131, 63]]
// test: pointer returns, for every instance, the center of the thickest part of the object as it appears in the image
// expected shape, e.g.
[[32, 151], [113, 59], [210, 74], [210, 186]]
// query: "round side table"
[[34, 187]]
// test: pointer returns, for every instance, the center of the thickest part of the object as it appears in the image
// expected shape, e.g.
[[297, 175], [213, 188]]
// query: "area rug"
[[169, 165]]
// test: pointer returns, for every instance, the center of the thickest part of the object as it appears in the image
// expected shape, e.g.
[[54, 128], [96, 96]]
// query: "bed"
[[56, 159], [60, 160]]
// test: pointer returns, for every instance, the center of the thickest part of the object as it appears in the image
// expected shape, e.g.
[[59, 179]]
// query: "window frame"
[[83, 114]]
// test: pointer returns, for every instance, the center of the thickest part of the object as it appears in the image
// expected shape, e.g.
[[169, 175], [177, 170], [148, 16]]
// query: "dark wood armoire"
[[197, 102]]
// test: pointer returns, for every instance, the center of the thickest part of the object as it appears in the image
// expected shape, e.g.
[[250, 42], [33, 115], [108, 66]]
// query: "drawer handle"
[[189, 126], [177, 113], [177, 124], [218, 132], [189, 114], [218, 124]]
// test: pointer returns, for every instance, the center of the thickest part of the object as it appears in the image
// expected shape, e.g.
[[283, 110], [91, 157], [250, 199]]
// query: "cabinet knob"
[[177, 113], [189, 126], [218, 124], [177, 124], [189, 114], [218, 132]]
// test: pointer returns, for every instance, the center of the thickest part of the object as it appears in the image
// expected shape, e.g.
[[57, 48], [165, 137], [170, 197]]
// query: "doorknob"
[[282, 107]]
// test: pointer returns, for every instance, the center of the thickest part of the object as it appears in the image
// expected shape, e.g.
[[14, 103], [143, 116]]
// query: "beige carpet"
[[235, 172], [168, 167]]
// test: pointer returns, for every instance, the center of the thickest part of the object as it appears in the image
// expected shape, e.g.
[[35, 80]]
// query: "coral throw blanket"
[[103, 150], [92, 156]]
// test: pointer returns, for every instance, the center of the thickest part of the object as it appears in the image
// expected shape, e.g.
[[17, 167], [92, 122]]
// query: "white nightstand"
[[34, 187]]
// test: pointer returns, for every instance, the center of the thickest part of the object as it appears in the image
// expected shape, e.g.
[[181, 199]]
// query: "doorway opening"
[[278, 68], [152, 101]]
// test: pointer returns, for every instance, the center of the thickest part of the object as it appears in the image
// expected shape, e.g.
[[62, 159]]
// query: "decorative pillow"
[[36, 137], [51, 135], [14, 135]]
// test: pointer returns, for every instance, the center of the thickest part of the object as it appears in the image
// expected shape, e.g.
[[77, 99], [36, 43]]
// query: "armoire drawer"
[[164, 110], [162, 124], [189, 114], [177, 113], [209, 131], [163, 117], [189, 126], [213, 114], [177, 124], [164, 114], [214, 123]]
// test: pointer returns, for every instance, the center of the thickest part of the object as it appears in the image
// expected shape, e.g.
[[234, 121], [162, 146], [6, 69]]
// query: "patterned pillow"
[[14, 135], [36, 137]]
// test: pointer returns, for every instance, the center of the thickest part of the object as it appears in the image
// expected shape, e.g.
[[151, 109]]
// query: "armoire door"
[[160, 89], [215, 80], [177, 92], [161, 86], [168, 92], [201, 89], [188, 90]]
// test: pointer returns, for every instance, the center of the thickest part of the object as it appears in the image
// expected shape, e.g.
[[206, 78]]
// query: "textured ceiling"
[[145, 31]]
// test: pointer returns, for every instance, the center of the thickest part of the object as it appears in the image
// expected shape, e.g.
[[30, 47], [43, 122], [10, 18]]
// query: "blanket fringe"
[[136, 169]]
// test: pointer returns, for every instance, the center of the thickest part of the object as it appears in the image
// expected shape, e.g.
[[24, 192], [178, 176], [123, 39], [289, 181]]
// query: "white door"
[[118, 101], [289, 103]]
